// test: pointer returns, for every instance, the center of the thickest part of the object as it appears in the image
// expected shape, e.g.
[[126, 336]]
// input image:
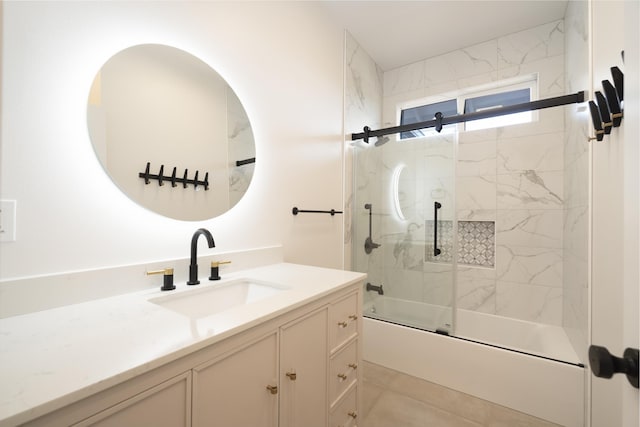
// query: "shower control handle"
[[369, 244], [436, 250], [604, 364]]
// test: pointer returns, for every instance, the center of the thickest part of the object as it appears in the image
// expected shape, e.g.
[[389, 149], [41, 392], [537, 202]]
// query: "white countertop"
[[52, 358]]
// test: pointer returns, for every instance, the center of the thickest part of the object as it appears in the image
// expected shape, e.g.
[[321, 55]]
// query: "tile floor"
[[394, 399]]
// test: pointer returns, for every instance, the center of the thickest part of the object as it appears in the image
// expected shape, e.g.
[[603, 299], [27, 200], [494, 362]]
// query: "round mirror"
[[170, 132]]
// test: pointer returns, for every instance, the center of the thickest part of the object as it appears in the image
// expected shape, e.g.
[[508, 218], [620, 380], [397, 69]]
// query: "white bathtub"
[[540, 386]]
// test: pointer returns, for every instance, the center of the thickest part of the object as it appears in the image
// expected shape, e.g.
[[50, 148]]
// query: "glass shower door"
[[403, 230]]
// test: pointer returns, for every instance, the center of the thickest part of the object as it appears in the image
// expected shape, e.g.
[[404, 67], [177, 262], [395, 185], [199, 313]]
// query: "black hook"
[[173, 177], [146, 173], [206, 181], [195, 181], [607, 124], [597, 121], [438, 117], [613, 102], [161, 176], [184, 178], [618, 80]]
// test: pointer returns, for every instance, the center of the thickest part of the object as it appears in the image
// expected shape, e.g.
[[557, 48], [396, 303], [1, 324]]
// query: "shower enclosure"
[[461, 233]]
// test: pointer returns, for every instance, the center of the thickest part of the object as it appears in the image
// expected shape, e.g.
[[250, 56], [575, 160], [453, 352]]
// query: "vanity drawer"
[[344, 315], [343, 371], [346, 413]]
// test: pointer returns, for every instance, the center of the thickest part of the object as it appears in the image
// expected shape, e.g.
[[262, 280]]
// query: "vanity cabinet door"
[[303, 371], [239, 389], [165, 405]]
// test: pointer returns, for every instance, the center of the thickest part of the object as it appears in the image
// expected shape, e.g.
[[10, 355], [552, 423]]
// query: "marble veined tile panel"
[[532, 44], [476, 193], [470, 61], [534, 152], [363, 95], [476, 293], [477, 159], [476, 214], [548, 71], [530, 190], [534, 228], [404, 79], [529, 265]]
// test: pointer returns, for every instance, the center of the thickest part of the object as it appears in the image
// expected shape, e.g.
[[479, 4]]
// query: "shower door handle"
[[436, 250]]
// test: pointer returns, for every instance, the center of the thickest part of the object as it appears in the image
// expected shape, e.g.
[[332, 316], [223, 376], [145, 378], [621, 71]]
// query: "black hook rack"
[[161, 177], [606, 110], [296, 211]]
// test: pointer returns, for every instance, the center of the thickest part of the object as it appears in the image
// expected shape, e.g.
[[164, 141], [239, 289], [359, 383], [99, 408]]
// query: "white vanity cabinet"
[[239, 389], [303, 371], [159, 398], [345, 322], [276, 380], [298, 368], [165, 405]]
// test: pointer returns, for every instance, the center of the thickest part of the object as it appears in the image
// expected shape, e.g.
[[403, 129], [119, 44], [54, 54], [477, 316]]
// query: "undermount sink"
[[207, 300]]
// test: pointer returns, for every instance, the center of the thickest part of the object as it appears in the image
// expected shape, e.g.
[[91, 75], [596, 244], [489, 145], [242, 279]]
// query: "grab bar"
[[436, 250]]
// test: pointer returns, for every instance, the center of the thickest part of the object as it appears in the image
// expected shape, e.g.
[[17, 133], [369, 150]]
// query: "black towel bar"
[[296, 211]]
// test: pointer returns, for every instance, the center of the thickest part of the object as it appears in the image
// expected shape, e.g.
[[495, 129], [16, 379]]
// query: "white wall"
[[611, 235], [283, 59]]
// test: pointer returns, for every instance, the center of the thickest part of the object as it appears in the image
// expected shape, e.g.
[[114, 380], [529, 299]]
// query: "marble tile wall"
[[512, 176], [363, 106]]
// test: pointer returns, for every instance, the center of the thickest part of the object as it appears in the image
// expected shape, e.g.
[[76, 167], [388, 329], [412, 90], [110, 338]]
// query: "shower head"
[[381, 141]]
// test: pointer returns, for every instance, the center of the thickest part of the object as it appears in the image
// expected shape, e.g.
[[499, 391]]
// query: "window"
[[497, 100], [471, 101], [424, 113]]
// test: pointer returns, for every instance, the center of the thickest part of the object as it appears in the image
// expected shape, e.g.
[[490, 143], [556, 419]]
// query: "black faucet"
[[193, 266], [378, 289]]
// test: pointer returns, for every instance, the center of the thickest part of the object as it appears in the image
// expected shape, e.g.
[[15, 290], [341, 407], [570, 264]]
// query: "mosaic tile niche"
[[476, 242]]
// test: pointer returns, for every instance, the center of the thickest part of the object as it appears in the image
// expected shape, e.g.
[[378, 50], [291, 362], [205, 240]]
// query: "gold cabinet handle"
[[342, 376], [342, 324], [273, 389], [353, 414], [292, 375], [353, 317], [353, 365]]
